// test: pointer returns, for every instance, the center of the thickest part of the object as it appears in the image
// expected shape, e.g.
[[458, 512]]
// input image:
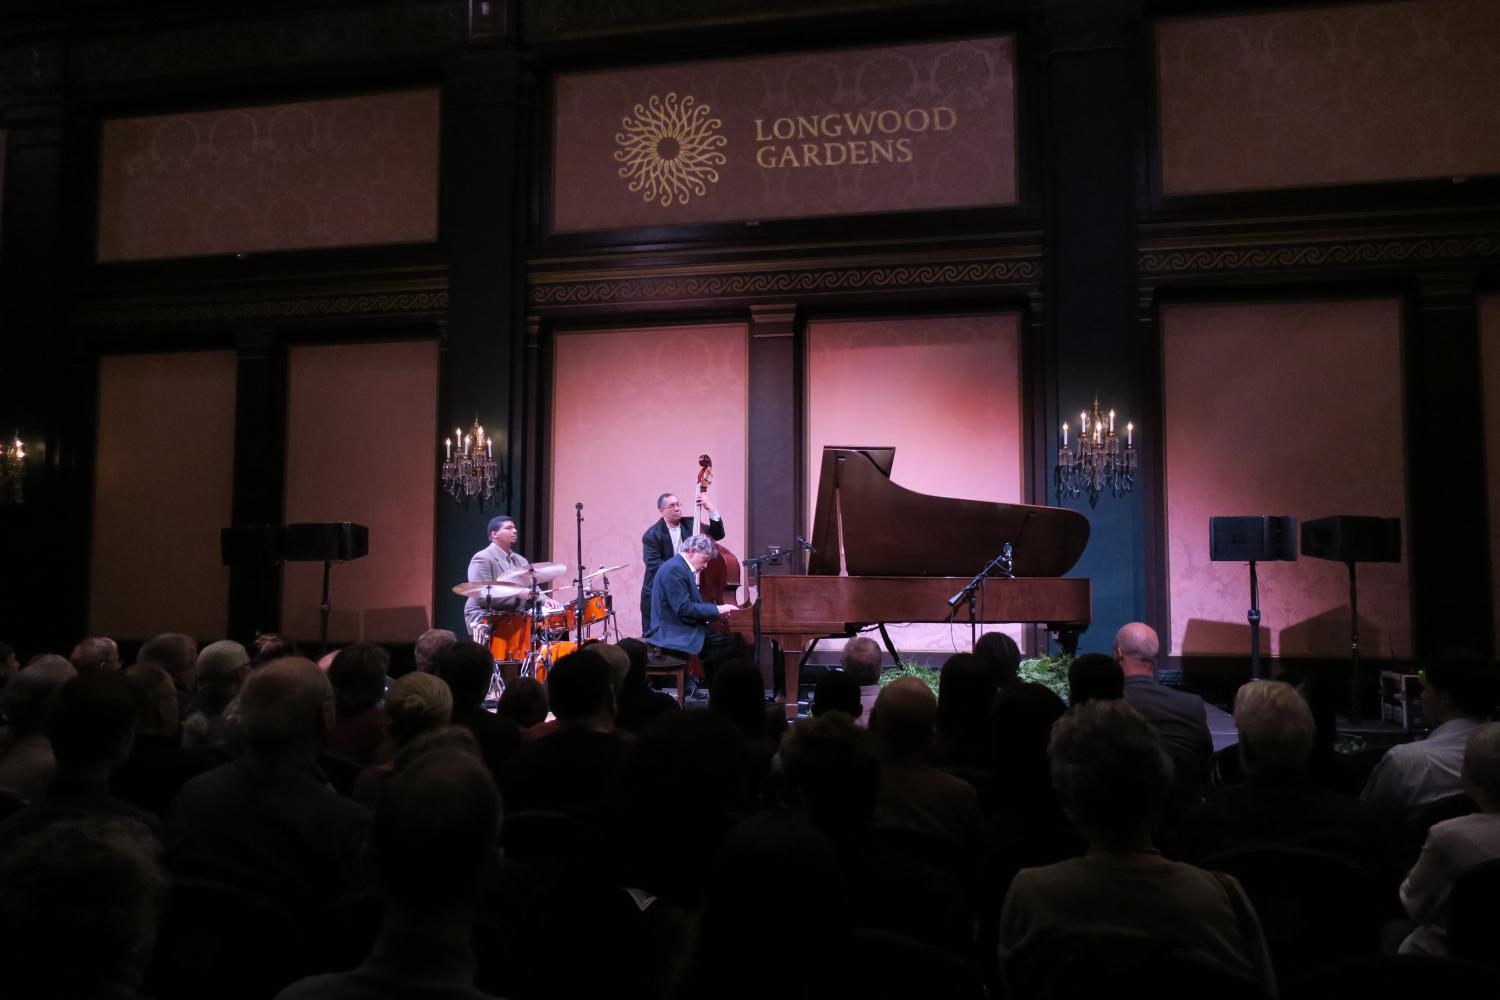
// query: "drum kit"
[[537, 634]]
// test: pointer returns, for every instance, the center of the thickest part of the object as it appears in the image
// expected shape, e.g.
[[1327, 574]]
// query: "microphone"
[[805, 544]]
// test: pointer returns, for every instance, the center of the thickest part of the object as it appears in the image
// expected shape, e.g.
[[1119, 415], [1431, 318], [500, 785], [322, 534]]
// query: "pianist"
[[678, 611]]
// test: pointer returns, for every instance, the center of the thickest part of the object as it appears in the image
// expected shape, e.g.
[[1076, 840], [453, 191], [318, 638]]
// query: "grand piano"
[[883, 553]]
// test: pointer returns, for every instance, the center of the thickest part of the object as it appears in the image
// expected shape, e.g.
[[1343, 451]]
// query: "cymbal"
[[604, 569], [497, 589], [541, 572]]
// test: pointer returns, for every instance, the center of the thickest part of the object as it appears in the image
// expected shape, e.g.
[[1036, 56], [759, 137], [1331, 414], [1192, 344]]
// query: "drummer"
[[491, 563]]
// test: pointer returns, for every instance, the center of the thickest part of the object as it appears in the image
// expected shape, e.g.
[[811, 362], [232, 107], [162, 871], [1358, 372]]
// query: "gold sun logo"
[[669, 150]]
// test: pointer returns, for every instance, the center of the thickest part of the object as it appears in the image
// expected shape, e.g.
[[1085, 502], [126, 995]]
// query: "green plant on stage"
[[911, 668], [1049, 671]]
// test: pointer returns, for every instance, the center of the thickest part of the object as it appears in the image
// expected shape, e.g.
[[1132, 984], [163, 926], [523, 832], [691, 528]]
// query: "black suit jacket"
[[656, 547]]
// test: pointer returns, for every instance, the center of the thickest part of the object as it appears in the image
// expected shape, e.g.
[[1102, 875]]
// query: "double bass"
[[721, 576]]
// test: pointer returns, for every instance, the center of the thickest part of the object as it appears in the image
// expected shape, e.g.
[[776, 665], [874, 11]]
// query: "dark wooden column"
[[775, 458], [486, 104], [1448, 517], [1096, 77], [260, 402]]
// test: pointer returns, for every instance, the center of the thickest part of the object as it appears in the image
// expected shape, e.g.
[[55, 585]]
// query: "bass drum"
[[510, 634], [548, 654]]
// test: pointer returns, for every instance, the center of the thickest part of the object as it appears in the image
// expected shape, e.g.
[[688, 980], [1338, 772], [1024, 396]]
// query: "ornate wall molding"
[[745, 282]]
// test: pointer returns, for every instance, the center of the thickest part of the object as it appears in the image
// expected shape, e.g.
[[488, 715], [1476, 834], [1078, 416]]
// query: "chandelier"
[[1098, 462], [12, 471], [471, 473]]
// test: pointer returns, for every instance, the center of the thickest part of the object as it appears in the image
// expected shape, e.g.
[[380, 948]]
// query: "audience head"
[[524, 702], [95, 653], [1458, 683], [222, 667], [9, 665], [618, 660], [30, 695], [1021, 725], [1481, 770], [416, 703], [93, 724], [1094, 677], [861, 659], [268, 646], [1001, 654], [430, 644], [1275, 725], [1111, 771], [286, 709], [358, 677], [636, 651], [468, 668], [837, 691], [580, 690], [79, 901], [175, 653], [1136, 647], [832, 775], [966, 693], [155, 699], [436, 831], [450, 737], [739, 695], [904, 720]]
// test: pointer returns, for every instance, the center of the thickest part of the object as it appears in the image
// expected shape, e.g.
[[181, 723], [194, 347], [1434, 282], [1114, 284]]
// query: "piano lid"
[[888, 530]]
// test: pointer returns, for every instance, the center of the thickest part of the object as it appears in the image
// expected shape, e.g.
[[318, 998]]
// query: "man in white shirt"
[[1459, 690]]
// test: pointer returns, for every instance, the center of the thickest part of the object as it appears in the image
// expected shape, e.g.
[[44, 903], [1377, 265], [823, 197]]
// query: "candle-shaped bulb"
[[489, 447], [1065, 433], [447, 449], [1111, 421], [1129, 435]]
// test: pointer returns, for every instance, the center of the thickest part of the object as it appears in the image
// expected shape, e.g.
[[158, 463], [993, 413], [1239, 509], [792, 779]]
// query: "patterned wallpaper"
[[363, 446], [820, 133], [163, 478], [1291, 408], [1489, 336], [1330, 95], [346, 172], [945, 391], [632, 411]]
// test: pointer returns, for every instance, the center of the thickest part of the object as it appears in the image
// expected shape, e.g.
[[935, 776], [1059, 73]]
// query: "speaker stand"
[[1354, 713], [1254, 617]]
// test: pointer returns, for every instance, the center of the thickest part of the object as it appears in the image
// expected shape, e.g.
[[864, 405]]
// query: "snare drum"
[[558, 621], [510, 634]]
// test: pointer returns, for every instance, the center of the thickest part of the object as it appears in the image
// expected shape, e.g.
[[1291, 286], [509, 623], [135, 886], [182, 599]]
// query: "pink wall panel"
[[1330, 95], [1295, 409], [1489, 333], [362, 445], [896, 128], [945, 391], [633, 409], [163, 477], [346, 172]]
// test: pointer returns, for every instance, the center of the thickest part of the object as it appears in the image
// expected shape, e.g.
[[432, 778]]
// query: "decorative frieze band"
[[406, 304], [1343, 254]]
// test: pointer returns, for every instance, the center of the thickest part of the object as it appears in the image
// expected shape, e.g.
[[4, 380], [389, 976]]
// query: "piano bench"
[[678, 674]]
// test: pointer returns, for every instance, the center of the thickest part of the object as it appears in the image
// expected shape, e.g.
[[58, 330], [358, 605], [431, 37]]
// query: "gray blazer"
[[488, 564]]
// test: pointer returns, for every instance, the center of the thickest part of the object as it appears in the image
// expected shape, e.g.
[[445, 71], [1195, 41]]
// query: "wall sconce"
[[1098, 463], [469, 469], [12, 470]]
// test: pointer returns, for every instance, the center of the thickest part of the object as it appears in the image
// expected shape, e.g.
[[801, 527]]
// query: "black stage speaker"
[[339, 541], [1347, 538], [1266, 538]]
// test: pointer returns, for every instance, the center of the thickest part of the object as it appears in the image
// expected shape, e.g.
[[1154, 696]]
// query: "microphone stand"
[[1005, 564], [578, 509]]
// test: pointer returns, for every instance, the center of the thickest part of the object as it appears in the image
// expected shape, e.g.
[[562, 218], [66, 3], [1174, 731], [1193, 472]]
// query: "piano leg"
[[890, 646], [1066, 636]]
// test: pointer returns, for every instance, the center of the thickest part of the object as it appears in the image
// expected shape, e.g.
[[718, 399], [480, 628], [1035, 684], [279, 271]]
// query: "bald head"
[[904, 719], [1136, 647], [286, 707]]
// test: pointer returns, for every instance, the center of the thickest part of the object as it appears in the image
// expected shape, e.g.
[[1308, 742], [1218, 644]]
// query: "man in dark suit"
[[1177, 715], [678, 610], [662, 539]]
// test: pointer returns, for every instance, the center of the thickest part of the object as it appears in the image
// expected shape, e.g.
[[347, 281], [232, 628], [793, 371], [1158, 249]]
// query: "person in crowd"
[[571, 769], [966, 694], [861, 659], [1094, 676], [434, 845], [639, 702], [417, 703], [1179, 716], [467, 668], [1113, 774], [1459, 690], [9, 665], [158, 765], [1278, 803], [358, 676], [79, 903], [268, 646], [95, 653], [177, 654], [222, 668], [430, 644], [664, 539], [837, 691], [1000, 652], [912, 793], [524, 702], [1455, 845], [268, 822], [27, 763]]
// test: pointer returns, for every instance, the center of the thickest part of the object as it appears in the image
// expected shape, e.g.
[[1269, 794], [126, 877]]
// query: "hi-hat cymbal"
[[496, 589], [541, 572]]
